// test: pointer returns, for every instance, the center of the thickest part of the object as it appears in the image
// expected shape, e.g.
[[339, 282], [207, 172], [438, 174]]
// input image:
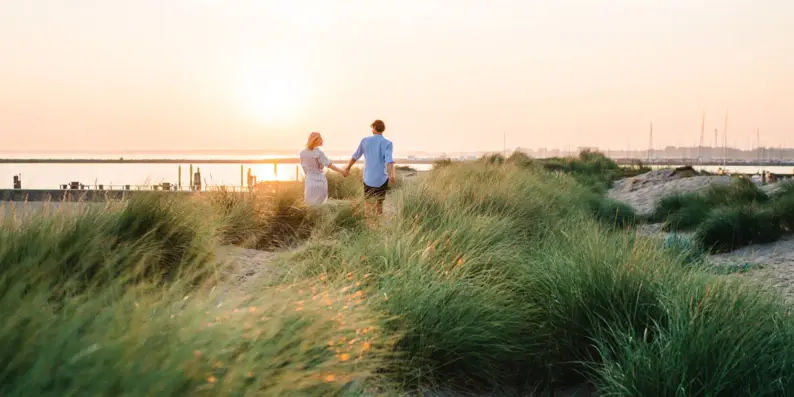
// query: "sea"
[[144, 176]]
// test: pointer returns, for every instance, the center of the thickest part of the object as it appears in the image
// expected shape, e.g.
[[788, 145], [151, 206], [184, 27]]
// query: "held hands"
[[345, 172]]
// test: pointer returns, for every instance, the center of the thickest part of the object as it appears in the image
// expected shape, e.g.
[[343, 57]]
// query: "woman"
[[314, 161]]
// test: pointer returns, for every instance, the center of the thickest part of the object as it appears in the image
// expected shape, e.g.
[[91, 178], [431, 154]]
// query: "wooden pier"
[[89, 194]]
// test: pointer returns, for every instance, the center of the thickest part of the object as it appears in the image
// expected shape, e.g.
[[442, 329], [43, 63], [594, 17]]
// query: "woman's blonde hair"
[[311, 143]]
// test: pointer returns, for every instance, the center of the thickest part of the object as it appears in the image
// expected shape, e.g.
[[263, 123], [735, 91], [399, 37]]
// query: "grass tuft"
[[728, 228]]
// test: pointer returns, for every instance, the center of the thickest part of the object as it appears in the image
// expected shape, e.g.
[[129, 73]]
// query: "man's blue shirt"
[[377, 152]]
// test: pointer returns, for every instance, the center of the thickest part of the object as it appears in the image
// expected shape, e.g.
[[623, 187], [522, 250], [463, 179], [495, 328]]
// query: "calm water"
[[51, 176]]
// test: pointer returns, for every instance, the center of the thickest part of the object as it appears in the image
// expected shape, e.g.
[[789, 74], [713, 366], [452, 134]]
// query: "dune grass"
[[728, 217], [145, 341], [782, 206], [488, 276], [513, 283], [122, 300], [683, 211], [592, 168]]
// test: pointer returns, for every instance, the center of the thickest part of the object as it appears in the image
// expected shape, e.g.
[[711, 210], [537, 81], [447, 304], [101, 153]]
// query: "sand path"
[[643, 194], [776, 262]]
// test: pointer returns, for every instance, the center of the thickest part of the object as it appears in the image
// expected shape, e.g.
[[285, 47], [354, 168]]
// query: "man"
[[378, 167]]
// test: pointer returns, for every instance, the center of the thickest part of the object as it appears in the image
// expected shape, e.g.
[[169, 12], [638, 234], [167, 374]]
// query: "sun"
[[273, 96]]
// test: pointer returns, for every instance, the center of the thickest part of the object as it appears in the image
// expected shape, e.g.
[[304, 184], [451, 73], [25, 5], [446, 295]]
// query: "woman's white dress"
[[315, 190]]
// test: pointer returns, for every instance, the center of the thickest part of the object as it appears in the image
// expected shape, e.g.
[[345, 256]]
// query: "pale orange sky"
[[445, 75]]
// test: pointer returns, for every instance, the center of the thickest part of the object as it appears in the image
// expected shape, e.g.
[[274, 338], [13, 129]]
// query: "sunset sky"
[[445, 75]]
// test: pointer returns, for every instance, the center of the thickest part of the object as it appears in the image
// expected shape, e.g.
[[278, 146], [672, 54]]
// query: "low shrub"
[[782, 206], [682, 211], [729, 228], [741, 191]]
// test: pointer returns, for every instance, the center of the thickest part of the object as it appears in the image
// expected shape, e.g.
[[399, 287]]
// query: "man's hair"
[[379, 125]]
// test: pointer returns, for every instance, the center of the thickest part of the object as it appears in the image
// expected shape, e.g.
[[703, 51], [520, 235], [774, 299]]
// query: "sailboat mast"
[[650, 144], [702, 133], [725, 140]]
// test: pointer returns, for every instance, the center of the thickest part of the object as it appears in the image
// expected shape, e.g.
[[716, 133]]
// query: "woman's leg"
[[324, 190]]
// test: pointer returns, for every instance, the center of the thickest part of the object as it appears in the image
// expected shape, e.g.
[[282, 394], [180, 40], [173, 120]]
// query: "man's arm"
[[350, 163], [357, 155], [387, 158]]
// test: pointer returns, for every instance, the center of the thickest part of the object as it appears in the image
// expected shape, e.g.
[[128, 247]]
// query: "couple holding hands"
[[378, 167]]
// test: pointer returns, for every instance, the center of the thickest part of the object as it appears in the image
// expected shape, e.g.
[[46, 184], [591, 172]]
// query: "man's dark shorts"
[[377, 193]]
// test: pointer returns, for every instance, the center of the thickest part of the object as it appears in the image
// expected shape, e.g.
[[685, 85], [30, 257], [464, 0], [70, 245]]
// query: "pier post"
[[197, 179], [297, 174], [275, 169], [191, 177], [250, 180], [179, 177], [242, 186]]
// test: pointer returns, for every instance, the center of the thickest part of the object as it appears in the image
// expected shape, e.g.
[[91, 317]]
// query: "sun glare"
[[273, 96]]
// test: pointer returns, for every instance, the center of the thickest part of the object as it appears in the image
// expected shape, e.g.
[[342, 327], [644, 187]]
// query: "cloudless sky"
[[445, 75]]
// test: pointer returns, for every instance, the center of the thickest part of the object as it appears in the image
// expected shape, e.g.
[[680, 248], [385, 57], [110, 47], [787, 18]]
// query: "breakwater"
[[22, 195]]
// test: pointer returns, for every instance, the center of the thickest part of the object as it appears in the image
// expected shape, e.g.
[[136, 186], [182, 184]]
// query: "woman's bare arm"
[[339, 170]]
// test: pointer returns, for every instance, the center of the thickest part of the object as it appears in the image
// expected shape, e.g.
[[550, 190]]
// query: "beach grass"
[[487, 275], [782, 205], [682, 212], [727, 217]]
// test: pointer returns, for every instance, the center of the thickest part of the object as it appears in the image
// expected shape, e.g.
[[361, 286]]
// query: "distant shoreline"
[[405, 161], [287, 160]]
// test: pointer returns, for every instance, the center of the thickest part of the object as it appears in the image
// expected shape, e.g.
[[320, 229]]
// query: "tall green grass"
[[151, 238], [144, 341], [350, 187], [782, 206], [685, 211], [508, 280], [489, 276], [124, 300], [592, 169]]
